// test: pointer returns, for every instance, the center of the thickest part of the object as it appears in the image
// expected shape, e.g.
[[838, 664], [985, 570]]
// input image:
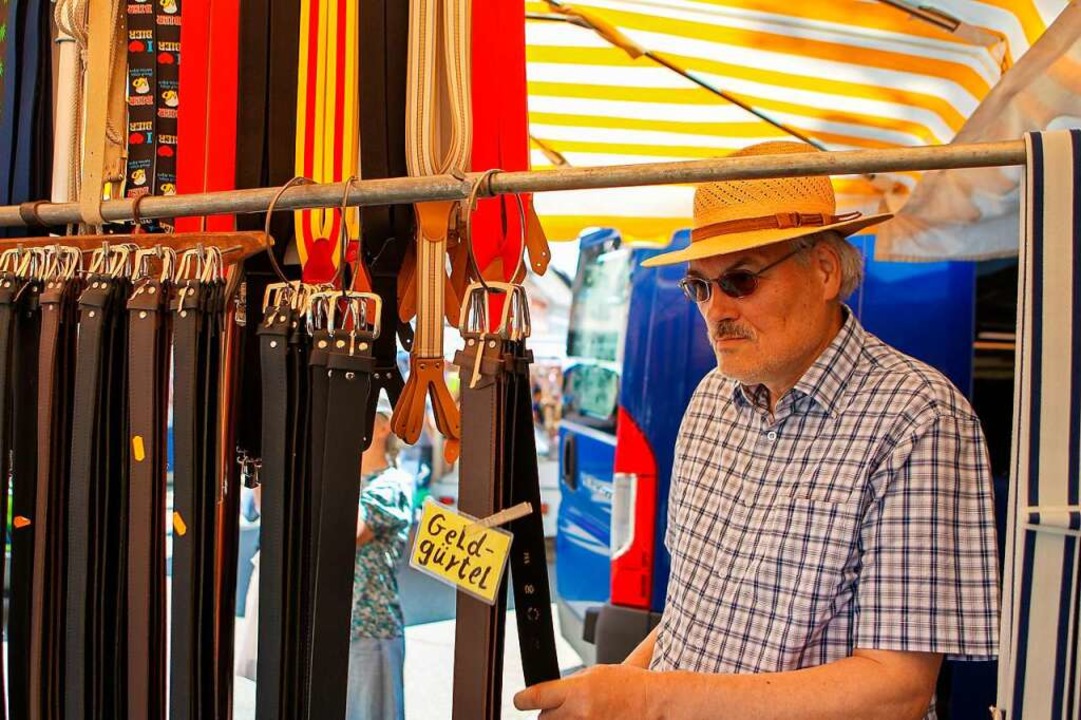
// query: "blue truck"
[[636, 351]]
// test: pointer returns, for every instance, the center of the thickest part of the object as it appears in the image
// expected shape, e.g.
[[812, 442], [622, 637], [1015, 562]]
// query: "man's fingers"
[[542, 696]]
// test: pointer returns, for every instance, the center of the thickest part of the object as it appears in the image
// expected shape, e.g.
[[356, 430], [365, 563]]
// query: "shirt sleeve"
[[386, 504], [929, 564]]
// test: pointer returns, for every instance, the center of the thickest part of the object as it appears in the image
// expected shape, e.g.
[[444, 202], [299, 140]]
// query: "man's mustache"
[[729, 330]]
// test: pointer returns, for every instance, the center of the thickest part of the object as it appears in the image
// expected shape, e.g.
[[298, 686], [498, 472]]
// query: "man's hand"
[[602, 691]]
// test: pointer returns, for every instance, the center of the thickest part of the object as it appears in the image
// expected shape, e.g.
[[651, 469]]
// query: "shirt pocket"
[[806, 565], [834, 485]]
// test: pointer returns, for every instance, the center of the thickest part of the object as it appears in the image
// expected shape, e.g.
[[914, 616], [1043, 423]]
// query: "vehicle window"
[[599, 309]]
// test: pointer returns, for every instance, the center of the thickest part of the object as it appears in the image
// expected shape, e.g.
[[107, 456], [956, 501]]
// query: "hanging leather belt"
[[229, 467], [10, 285], [275, 687], [148, 355], [528, 563], [24, 533], [195, 659], [50, 439], [499, 457], [478, 641], [298, 531], [352, 324], [95, 520], [211, 657]]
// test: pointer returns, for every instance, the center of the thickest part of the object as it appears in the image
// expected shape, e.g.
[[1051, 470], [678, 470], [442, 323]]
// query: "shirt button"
[[772, 435]]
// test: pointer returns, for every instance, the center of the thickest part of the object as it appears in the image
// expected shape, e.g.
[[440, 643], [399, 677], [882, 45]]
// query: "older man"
[[830, 518]]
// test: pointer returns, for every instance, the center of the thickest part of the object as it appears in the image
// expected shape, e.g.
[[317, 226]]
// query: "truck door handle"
[[568, 461]]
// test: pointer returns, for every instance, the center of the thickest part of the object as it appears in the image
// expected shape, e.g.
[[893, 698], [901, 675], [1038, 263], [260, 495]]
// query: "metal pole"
[[397, 191]]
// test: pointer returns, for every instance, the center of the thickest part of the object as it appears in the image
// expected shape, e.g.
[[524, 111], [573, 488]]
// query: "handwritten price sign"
[[452, 548]]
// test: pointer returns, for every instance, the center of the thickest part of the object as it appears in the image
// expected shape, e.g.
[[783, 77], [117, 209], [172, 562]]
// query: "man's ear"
[[827, 264]]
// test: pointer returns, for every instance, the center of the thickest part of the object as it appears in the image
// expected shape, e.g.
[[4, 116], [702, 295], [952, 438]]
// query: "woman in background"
[[377, 643]]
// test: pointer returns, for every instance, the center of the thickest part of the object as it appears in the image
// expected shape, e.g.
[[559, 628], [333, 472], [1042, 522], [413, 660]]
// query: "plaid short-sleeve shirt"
[[859, 515]]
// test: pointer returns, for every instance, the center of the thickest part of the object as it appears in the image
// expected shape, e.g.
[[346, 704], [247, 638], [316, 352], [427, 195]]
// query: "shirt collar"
[[825, 381]]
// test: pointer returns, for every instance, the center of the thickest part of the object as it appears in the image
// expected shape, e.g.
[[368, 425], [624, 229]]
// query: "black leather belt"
[[528, 564], [349, 367], [95, 673], [9, 287], [187, 311], [272, 690], [23, 611], [89, 439], [51, 439], [148, 365]]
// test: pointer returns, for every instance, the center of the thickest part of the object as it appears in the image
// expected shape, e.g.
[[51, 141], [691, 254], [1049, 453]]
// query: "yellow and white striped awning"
[[849, 74]]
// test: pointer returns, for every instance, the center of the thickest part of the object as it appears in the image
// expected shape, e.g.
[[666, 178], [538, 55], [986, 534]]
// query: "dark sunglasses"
[[734, 283]]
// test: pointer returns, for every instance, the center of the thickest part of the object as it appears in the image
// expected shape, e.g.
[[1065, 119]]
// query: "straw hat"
[[734, 215]]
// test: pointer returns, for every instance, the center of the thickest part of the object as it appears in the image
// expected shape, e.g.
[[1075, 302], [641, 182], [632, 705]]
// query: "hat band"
[[779, 221]]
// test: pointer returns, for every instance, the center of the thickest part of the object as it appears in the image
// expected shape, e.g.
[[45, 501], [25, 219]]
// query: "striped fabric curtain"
[[1039, 664], [849, 74]]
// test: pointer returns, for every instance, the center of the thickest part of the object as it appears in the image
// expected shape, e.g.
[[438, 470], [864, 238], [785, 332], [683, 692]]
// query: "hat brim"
[[736, 242]]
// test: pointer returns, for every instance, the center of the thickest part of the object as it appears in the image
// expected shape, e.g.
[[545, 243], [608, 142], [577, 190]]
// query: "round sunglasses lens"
[[738, 283], [696, 289]]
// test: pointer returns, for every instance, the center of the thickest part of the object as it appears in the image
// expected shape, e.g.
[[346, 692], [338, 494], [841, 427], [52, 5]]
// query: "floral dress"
[[386, 506]]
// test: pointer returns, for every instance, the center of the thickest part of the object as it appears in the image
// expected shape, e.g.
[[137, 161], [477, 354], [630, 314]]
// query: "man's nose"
[[719, 307]]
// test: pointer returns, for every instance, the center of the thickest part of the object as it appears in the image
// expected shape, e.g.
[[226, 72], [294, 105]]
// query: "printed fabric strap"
[[432, 149], [328, 126], [1040, 645], [153, 95]]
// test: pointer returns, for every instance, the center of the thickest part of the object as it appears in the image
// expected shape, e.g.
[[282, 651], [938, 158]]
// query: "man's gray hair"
[[850, 258]]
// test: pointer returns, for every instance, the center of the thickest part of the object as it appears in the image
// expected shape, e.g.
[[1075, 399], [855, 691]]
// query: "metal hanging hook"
[[298, 180]]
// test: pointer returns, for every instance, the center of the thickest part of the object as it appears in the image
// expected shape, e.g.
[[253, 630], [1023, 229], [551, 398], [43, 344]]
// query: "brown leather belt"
[[148, 402], [499, 458], [58, 318], [196, 653]]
